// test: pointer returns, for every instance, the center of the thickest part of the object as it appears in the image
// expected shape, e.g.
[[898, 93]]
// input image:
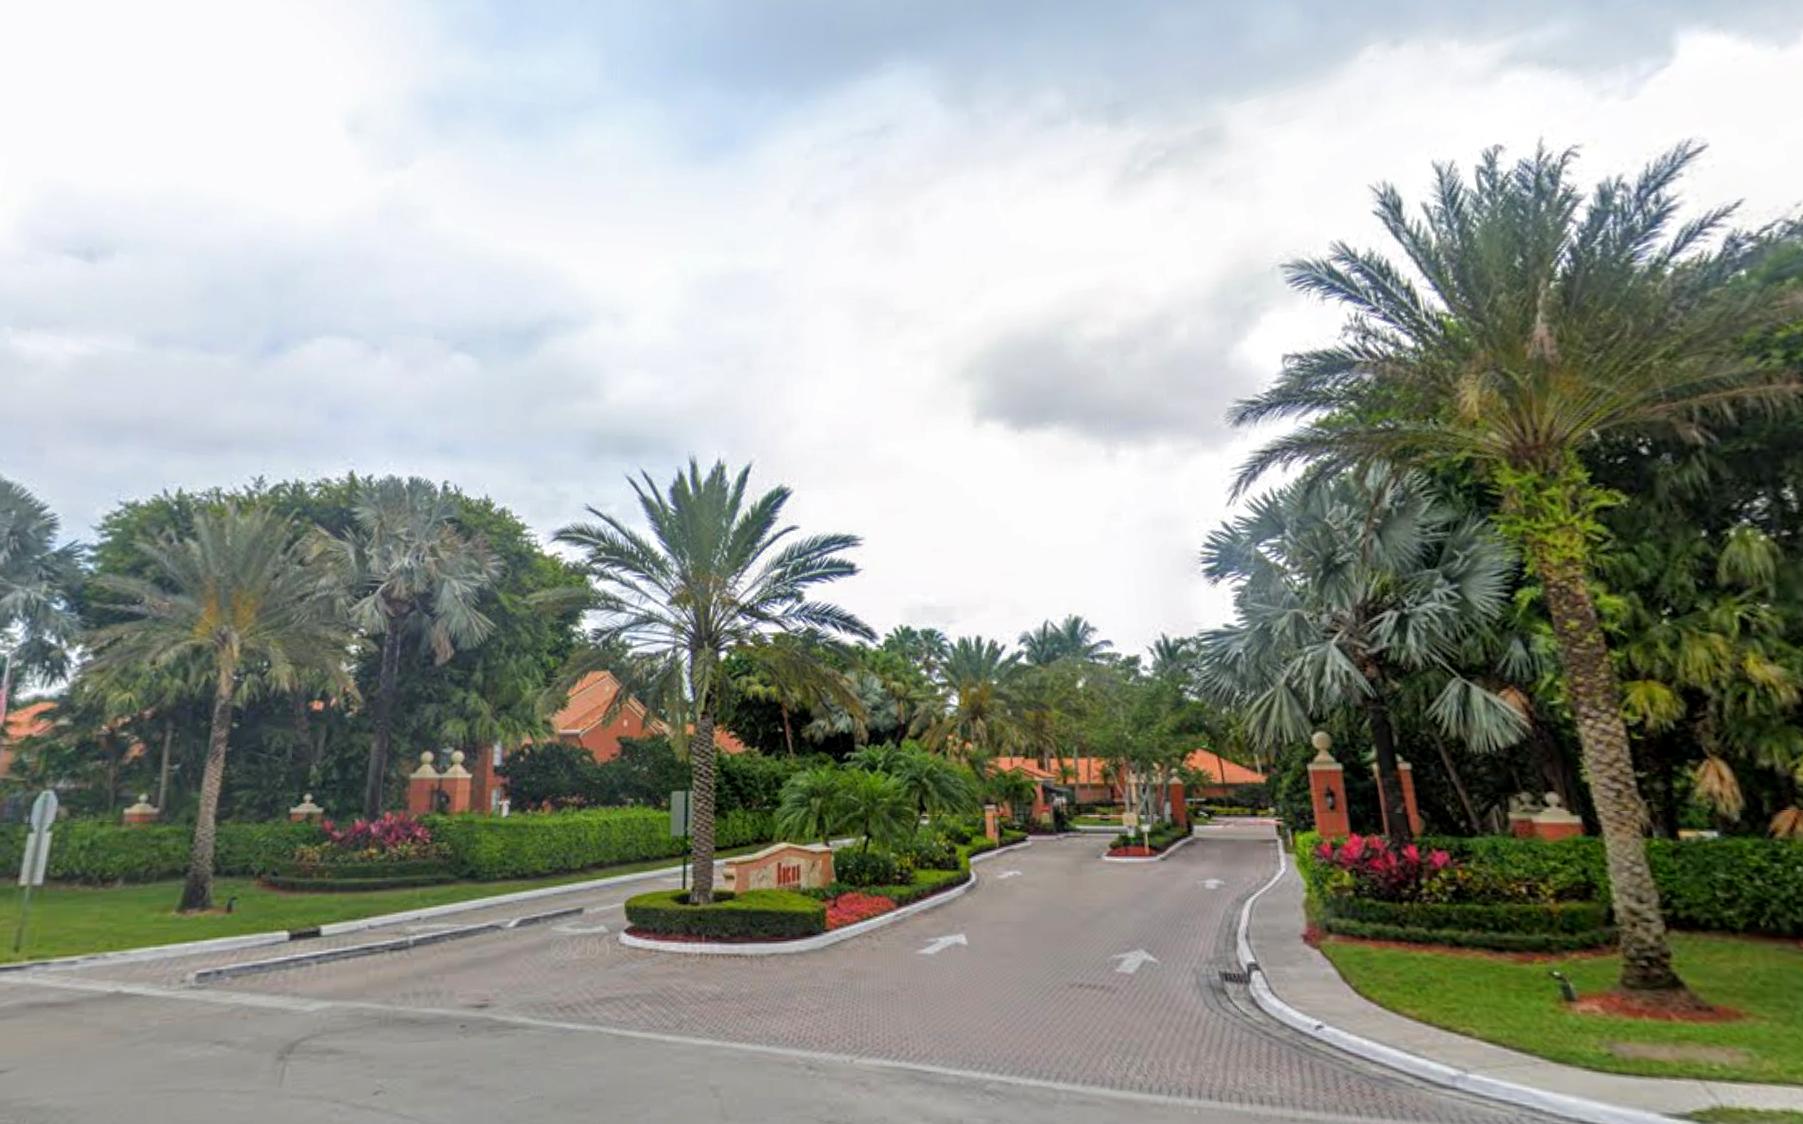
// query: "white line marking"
[[1008, 874], [1131, 962], [939, 944], [1212, 883], [579, 930]]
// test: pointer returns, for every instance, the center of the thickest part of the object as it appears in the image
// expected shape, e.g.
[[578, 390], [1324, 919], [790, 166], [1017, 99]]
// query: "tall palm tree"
[[415, 578], [243, 593], [792, 671], [1527, 323], [37, 579], [1071, 639], [717, 572], [926, 648], [1343, 589], [981, 721], [1173, 658]]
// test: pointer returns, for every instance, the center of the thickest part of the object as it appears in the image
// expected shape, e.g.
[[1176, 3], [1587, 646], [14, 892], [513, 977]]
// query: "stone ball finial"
[[1554, 800], [1322, 740], [143, 797], [307, 798], [457, 757], [425, 757]]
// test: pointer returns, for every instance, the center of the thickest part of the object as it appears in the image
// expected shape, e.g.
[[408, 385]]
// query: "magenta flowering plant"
[[1369, 867], [394, 831]]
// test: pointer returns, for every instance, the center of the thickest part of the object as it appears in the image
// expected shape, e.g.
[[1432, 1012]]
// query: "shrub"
[[1460, 938], [551, 775], [931, 852], [1479, 917], [99, 851], [534, 844], [1010, 836], [1367, 866], [1161, 836], [753, 915], [868, 868]]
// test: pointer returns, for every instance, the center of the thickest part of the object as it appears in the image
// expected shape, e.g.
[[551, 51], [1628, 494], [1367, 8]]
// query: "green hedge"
[[1511, 917], [101, 851], [527, 846], [1159, 838], [753, 915], [362, 871], [1463, 938], [335, 885]]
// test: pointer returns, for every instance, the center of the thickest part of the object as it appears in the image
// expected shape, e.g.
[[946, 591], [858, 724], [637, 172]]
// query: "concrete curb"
[[823, 940], [150, 952], [1426, 1069], [1158, 858]]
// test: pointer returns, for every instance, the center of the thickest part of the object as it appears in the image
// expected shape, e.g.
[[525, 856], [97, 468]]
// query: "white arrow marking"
[[580, 930], [1009, 874], [1212, 883], [1130, 962], [939, 944]]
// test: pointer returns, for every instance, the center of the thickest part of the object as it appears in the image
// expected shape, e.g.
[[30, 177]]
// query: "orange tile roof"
[[1080, 770], [592, 697], [29, 720], [1221, 770]]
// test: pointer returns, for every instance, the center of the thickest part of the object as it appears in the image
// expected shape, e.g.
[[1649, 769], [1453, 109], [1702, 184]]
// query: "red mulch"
[[1664, 1006], [1133, 852], [850, 908]]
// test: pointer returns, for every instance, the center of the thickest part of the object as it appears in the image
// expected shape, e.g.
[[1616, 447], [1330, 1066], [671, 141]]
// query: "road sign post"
[[679, 827], [37, 857]]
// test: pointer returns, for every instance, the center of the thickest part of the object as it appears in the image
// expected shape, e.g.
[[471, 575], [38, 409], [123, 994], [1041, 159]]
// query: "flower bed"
[[1131, 845], [853, 907], [389, 853]]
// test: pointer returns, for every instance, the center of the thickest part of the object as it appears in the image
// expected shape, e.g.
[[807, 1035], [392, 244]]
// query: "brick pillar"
[[422, 786], [992, 826], [1327, 785], [457, 782], [1179, 809], [1406, 773], [141, 813], [1556, 822]]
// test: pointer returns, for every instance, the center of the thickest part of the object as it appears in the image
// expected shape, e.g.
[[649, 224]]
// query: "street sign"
[[37, 857], [679, 813]]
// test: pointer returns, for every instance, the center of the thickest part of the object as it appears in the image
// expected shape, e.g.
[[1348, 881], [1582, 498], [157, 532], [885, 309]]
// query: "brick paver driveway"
[[1039, 990]]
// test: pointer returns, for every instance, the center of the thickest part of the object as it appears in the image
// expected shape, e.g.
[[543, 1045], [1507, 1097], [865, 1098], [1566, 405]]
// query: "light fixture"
[[1329, 798]]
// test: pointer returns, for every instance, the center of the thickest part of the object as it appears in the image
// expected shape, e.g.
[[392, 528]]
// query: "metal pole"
[[24, 912]]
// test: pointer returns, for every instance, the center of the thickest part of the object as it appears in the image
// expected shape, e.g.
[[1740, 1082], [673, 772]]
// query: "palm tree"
[[1545, 323], [242, 593], [877, 807], [981, 721], [37, 579], [792, 671], [1072, 639], [934, 786], [926, 648], [416, 577], [812, 804], [1173, 658], [1011, 788], [1344, 588], [716, 574]]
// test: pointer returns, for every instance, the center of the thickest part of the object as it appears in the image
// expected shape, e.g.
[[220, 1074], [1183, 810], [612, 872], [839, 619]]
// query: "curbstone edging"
[[1426, 1069], [821, 940], [1158, 858]]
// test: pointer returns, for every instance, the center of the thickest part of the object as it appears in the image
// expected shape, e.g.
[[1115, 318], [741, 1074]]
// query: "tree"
[[812, 804], [1072, 639], [38, 580], [877, 807], [717, 573], [416, 577], [980, 721], [1012, 789], [933, 785], [925, 648], [793, 672], [1344, 588], [1174, 658], [242, 592], [1537, 322]]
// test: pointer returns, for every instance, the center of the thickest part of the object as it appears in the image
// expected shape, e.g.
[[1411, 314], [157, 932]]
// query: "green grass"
[[1747, 1116], [1516, 1004], [69, 920]]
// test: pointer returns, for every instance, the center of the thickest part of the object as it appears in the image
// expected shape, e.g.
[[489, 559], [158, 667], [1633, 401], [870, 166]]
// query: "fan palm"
[[718, 572], [242, 593], [415, 577], [1536, 322], [37, 579], [1342, 589]]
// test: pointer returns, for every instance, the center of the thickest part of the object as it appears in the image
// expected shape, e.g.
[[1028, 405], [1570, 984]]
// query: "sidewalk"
[[1306, 980]]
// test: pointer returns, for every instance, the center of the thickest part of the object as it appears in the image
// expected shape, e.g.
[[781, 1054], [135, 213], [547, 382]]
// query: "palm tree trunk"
[[1458, 786], [375, 782], [1595, 694], [701, 808], [788, 734], [197, 891], [1389, 777], [163, 769]]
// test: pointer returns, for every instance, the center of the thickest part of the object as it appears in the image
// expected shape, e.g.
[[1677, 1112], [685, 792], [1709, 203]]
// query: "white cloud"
[[977, 327]]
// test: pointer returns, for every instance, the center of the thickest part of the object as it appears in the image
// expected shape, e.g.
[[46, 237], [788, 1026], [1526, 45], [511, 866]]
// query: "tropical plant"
[[37, 581], [1013, 789], [935, 786], [812, 804], [717, 573], [1534, 323], [795, 673], [876, 806], [980, 721], [415, 577], [1173, 658], [1343, 588], [926, 648], [1070, 639], [242, 593]]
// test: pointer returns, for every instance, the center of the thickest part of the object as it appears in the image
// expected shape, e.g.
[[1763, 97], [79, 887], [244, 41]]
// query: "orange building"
[[23, 722], [1091, 781]]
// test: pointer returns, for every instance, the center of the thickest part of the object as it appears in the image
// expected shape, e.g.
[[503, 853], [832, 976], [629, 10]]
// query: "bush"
[[551, 775], [868, 868], [99, 851], [534, 844], [1368, 867], [1161, 836], [1460, 938], [753, 915], [931, 852], [1010, 836], [1477, 917]]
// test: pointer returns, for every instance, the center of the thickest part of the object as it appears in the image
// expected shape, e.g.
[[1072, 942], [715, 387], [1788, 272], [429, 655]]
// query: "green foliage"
[[524, 846], [1504, 941], [754, 915], [1474, 917], [868, 868], [550, 774], [930, 852], [1159, 838], [98, 851], [754, 781]]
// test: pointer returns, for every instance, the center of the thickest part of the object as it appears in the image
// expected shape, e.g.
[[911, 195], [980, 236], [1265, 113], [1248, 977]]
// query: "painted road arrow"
[[580, 930], [1131, 962], [939, 944], [1009, 874], [1212, 883]]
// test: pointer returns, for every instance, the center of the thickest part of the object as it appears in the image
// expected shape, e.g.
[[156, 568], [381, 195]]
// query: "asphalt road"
[[1078, 990]]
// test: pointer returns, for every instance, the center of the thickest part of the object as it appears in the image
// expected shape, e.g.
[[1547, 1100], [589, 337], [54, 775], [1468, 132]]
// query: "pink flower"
[[1411, 853], [1439, 860]]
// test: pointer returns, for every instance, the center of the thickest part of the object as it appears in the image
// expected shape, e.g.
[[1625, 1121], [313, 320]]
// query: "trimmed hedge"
[[1511, 917], [363, 871], [1465, 938], [771, 915], [100, 851], [540, 843], [1159, 838], [335, 885]]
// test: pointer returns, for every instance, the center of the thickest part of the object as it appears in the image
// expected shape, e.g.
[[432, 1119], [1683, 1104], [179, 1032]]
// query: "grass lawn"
[[68, 920], [1516, 1004], [1747, 1116]]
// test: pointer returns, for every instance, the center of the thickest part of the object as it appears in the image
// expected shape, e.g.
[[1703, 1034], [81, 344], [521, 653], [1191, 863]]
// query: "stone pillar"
[[1556, 821], [1179, 808], [1327, 786], [141, 813], [992, 825], [457, 782], [1406, 772], [422, 786], [1522, 807], [306, 811]]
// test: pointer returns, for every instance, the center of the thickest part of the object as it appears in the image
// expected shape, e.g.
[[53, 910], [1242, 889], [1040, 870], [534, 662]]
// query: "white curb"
[[822, 940], [1158, 858], [1438, 1073]]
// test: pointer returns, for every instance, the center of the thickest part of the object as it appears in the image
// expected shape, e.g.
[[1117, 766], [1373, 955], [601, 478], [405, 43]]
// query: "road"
[[1080, 990]]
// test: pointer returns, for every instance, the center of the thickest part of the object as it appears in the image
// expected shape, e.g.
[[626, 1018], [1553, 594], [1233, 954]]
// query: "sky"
[[977, 281]]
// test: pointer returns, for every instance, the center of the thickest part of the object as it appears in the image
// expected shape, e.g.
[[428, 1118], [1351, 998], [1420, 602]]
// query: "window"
[[494, 757]]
